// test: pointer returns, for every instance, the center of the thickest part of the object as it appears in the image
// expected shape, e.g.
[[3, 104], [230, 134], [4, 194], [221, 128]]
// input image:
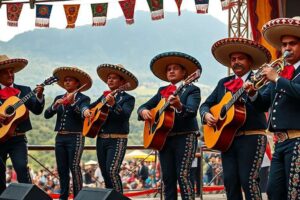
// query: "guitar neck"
[[235, 97], [114, 93]]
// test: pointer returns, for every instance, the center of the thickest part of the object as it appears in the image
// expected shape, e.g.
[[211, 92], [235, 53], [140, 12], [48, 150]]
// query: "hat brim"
[[17, 64], [160, 63], [62, 72], [105, 69], [275, 29], [223, 49]]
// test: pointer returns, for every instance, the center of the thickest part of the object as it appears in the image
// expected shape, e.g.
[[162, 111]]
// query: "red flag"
[[128, 10]]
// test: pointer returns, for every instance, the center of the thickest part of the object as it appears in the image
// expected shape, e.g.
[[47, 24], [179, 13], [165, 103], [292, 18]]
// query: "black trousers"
[[110, 153], [176, 160], [68, 152], [16, 149], [241, 165]]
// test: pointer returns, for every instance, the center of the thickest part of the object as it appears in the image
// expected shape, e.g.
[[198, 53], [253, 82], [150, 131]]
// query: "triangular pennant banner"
[[178, 3], [226, 4], [13, 13], [99, 11], [43, 13], [156, 8], [71, 14], [128, 10], [202, 6]]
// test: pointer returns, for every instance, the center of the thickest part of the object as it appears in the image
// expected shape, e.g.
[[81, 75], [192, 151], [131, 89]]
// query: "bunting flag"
[[226, 4], [71, 14], [43, 13], [13, 13], [128, 10], [202, 6], [156, 8], [99, 11], [178, 3], [261, 12]]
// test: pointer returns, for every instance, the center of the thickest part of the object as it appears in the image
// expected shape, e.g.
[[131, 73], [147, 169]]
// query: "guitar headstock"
[[50, 80], [193, 77]]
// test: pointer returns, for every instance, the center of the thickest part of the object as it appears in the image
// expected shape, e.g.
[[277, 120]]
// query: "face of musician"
[[240, 63], [291, 44], [7, 77], [114, 81], [71, 84], [175, 73]]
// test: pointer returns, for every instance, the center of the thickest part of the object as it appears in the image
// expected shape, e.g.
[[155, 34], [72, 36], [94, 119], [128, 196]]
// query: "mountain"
[[133, 46]]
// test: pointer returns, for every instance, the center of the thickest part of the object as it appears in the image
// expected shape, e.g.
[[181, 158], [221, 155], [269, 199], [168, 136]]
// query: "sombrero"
[[160, 63], [16, 63], [105, 69], [276, 28], [223, 48], [74, 72]]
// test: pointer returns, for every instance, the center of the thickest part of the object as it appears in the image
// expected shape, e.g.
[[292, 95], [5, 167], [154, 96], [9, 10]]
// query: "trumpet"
[[259, 80]]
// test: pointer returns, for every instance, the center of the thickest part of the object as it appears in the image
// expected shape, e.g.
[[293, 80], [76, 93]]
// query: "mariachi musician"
[[282, 99], [178, 152], [242, 160], [16, 146], [113, 134], [70, 109]]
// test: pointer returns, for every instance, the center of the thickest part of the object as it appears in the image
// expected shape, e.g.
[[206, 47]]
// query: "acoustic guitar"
[[99, 114], [15, 111], [230, 115], [156, 130]]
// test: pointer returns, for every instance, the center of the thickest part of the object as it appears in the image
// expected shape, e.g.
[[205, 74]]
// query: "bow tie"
[[234, 85], [8, 92], [166, 92], [106, 92], [288, 72]]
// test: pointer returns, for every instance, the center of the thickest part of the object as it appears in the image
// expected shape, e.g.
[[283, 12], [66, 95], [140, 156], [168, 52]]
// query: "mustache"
[[236, 65]]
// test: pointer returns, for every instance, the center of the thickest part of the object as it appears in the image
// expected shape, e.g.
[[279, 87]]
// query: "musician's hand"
[[110, 100], [146, 114], [209, 119], [39, 91], [175, 102], [270, 73], [2, 118], [249, 88], [57, 103], [87, 113], [70, 98]]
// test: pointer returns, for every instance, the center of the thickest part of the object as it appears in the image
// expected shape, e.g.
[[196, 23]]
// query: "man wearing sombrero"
[[242, 161], [113, 135], [16, 146], [178, 152], [69, 141], [282, 98]]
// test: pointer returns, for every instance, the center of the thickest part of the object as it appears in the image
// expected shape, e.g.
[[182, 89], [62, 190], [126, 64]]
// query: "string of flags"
[[99, 11]]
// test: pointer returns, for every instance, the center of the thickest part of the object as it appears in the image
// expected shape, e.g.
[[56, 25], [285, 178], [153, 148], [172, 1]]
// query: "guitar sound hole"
[[223, 112], [9, 110]]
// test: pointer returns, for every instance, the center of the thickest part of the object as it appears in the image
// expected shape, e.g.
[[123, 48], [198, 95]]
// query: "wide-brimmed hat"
[[105, 69], [223, 49], [16, 63], [276, 28], [74, 72], [160, 63]]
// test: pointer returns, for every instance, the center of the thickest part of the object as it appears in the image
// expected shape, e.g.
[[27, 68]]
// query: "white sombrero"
[[276, 28]]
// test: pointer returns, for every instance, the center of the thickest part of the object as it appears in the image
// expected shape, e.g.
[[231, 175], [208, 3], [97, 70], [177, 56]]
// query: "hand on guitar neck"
[[39, 91], [175, 102]]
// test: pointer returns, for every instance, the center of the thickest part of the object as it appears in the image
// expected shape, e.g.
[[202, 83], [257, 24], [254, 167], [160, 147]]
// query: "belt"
[[112, 135], [284, 135], [251, 132], [18, 134], [67, 132], [183, 133]]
